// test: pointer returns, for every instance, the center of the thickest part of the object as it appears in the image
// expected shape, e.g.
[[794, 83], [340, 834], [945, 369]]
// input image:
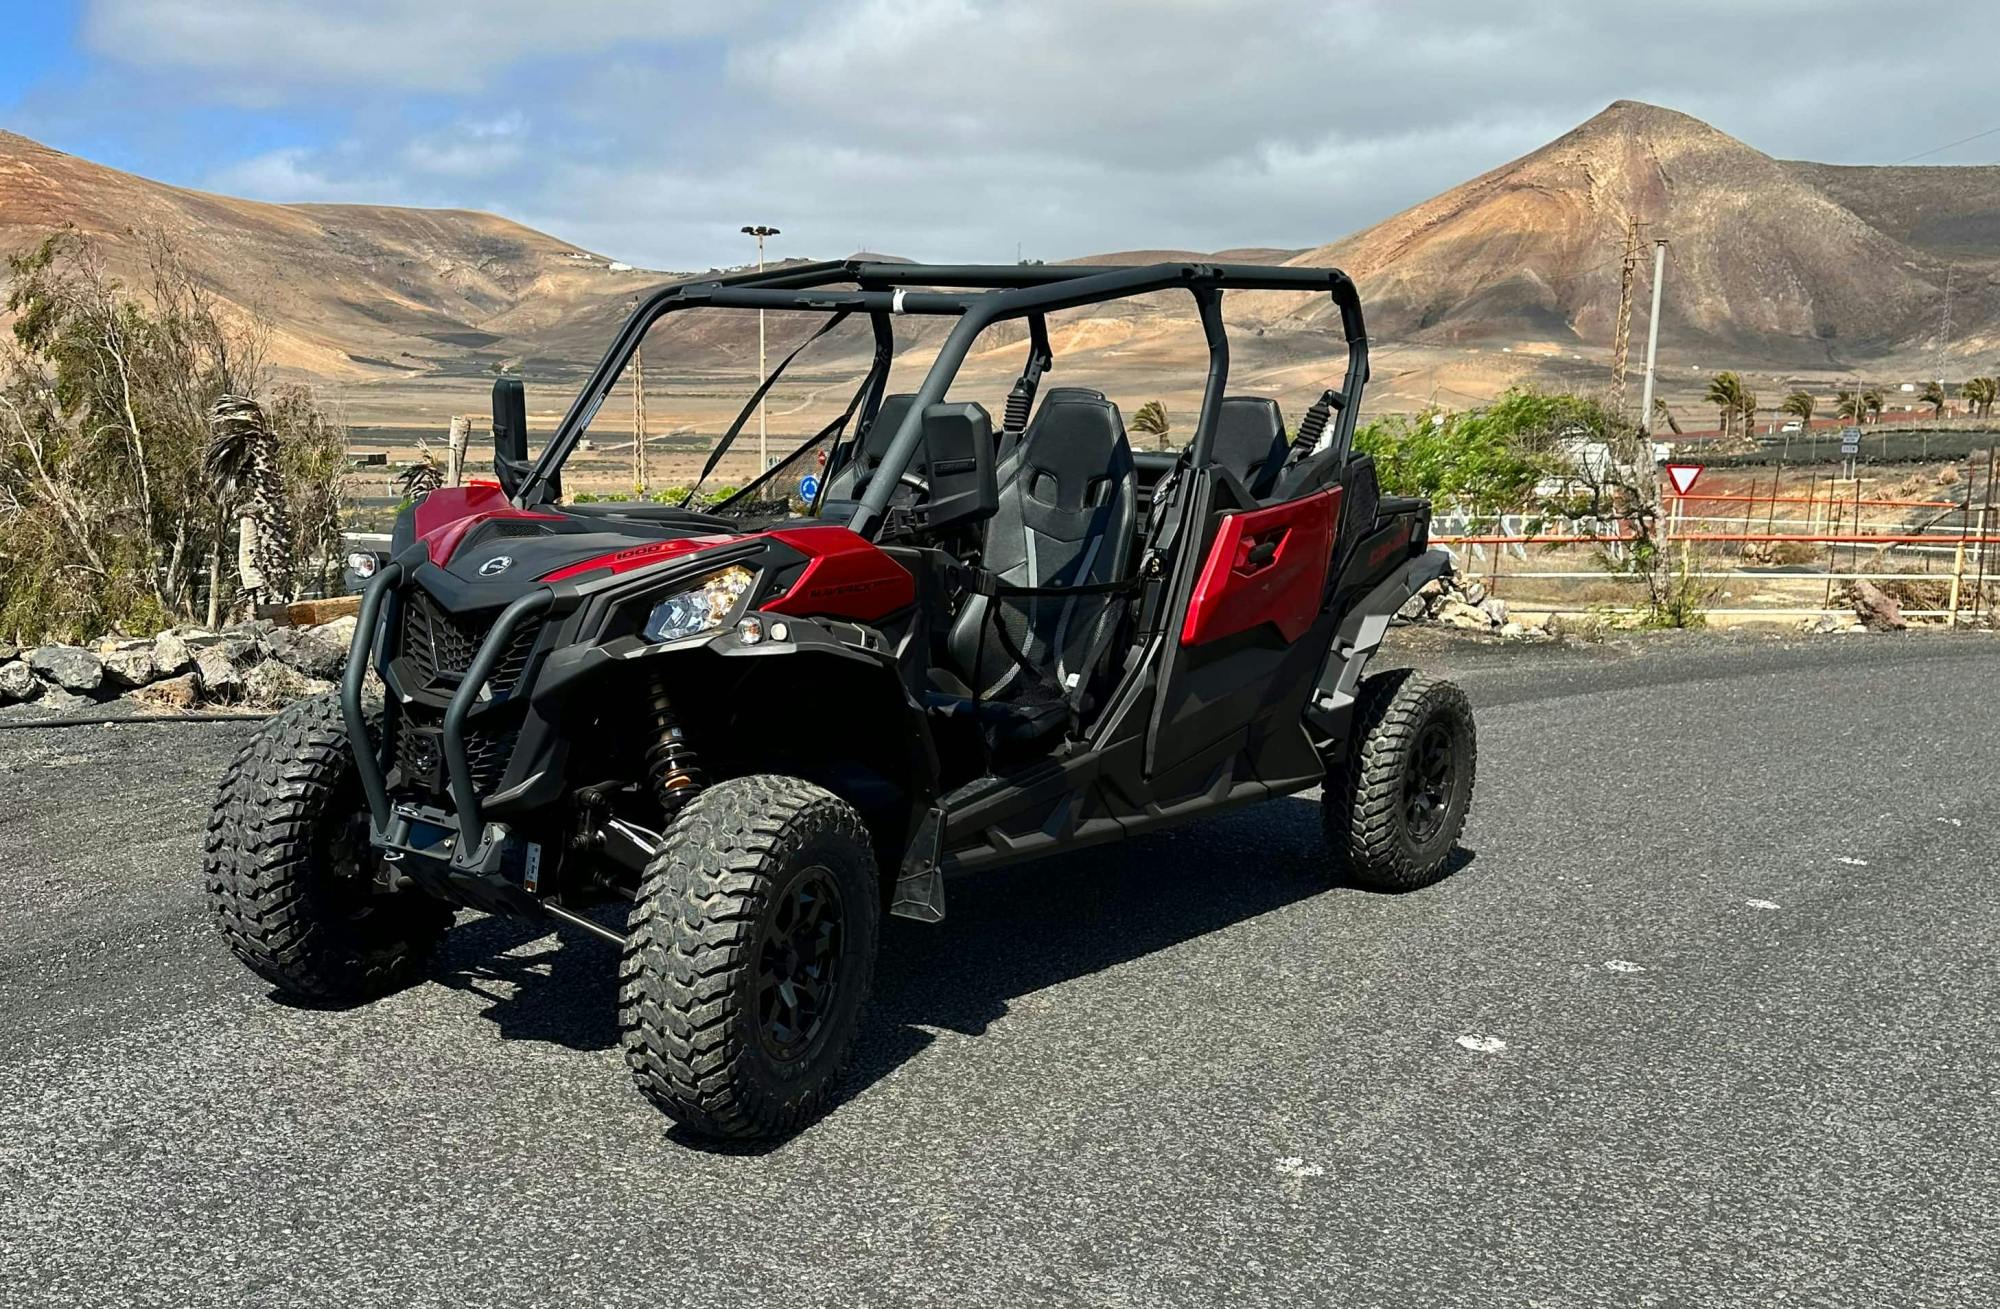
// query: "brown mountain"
[[1773, 263], [352, 291], [1789, 262]]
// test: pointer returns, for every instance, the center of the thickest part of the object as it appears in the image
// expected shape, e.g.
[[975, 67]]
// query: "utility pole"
[[1653, 337], [1944, 331], [1621, 336], [763, 435]]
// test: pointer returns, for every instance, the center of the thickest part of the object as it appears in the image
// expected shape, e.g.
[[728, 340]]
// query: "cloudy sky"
[[651, 130]]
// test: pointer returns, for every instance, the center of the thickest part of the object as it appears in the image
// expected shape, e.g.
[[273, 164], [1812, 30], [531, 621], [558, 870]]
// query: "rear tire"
[[290, 874], [1396, 796], [749, 958]]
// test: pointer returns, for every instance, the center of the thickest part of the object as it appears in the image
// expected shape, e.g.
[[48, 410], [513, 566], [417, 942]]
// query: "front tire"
[[1396, 796], [749, 958], [290, 874]]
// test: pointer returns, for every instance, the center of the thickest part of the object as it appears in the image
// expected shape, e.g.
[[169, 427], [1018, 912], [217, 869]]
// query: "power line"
[[1925, 154]]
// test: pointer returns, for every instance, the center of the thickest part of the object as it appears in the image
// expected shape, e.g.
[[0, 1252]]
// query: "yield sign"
[[1682, 476]]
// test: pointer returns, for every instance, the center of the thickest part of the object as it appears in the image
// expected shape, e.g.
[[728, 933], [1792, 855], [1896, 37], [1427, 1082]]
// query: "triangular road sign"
[[1683, 476]]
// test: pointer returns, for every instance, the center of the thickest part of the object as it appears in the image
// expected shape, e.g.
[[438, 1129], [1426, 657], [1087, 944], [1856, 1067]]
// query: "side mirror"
[[958, 447], [510, 437]]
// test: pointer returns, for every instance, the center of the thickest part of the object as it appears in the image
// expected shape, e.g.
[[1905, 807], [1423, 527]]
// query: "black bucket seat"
[[1068, 503]]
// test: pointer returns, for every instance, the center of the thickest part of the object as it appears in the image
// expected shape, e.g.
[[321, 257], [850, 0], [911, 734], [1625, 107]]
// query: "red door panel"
[[1266, 566]]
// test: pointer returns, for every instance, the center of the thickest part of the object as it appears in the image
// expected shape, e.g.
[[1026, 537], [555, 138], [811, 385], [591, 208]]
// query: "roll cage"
[[978, 295]]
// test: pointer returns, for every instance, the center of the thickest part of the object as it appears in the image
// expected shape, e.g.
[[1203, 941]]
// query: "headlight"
[[699, 608], [362, 563]]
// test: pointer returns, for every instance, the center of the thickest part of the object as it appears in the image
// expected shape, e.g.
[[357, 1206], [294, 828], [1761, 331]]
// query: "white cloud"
[[292, 176], [260, 48], [469, 150], [954, 129]]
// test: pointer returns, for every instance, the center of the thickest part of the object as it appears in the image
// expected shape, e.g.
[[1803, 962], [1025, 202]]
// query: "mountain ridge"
[[1782, 262]]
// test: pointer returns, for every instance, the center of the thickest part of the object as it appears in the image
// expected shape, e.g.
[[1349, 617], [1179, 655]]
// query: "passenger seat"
[[851, 478], [1068, 503], [1250, 441]]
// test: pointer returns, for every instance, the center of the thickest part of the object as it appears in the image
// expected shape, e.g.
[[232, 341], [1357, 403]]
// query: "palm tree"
[[1746, 404], [1934, 396], [421, 476], [242, 462], [1799, 404], [1725, 392], [1666, 415], [1151, 420], [1850, 405], [1871, 401], [1979, 395]]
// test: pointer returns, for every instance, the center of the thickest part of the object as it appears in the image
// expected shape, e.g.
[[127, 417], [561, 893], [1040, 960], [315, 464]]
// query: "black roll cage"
[[978, 295]]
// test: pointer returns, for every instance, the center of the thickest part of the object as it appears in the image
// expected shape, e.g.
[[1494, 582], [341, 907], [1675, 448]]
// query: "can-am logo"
[[495, 566]]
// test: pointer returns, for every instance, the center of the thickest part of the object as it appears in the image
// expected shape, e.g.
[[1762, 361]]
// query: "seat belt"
[[835, 429], [749, 408]]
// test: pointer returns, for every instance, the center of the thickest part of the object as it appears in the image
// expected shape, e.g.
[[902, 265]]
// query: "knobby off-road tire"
[[1396, 796], [749, 958], [290, 875]]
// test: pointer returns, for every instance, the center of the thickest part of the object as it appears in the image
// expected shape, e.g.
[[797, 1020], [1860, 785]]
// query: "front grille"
[[419, 759], [441, 646]]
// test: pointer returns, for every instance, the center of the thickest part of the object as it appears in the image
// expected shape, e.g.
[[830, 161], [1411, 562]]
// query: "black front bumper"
[[461, 841]]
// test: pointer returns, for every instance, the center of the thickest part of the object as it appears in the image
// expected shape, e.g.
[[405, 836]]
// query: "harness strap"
[[833, 429], [980, 581], [736, 428]]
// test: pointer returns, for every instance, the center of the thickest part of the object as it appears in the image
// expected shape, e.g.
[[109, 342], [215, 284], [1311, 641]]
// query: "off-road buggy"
[[764, 728]]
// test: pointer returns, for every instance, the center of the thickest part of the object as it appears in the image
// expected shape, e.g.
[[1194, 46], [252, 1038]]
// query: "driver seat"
[[851, 478], [1022, 666]]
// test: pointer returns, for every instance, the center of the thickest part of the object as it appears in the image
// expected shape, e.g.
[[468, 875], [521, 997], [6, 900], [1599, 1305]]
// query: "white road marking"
[[1761, 904], [1955, 822], [1483, 1044], [1850, 861], [1624, 966]]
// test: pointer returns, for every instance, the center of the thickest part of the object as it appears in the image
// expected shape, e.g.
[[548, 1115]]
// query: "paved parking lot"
[[1707, 1017]]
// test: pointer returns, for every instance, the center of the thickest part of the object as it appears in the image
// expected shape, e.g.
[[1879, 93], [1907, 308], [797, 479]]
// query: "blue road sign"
[[808, 487]]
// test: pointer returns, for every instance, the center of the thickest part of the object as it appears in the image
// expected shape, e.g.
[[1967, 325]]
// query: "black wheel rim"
[[1428, 784], [798, 966]]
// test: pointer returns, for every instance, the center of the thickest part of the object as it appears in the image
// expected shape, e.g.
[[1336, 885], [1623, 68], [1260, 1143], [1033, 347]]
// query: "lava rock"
[[131, 667], [171, 654], [18, 682], [69, 667], [306, 653], [217, 668], [183, 692], [1877, 611]]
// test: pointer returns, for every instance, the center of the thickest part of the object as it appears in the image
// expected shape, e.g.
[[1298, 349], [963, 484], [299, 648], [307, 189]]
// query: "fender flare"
[[1331, 704]]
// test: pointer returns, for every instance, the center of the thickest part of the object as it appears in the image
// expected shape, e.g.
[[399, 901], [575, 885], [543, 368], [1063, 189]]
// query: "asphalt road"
[[1181, 1071]]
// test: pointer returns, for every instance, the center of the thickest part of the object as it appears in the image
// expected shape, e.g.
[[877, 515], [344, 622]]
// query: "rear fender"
[[1331, 705]]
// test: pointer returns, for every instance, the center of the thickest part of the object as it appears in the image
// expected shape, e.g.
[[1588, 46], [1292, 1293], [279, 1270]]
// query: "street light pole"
[[1652, 338], [763, 434]]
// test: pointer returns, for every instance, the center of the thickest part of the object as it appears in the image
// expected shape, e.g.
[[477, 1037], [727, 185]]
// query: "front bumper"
[[471, 845]]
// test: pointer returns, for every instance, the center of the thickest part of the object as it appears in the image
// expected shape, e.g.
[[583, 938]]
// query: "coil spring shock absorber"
[[672, 766]]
